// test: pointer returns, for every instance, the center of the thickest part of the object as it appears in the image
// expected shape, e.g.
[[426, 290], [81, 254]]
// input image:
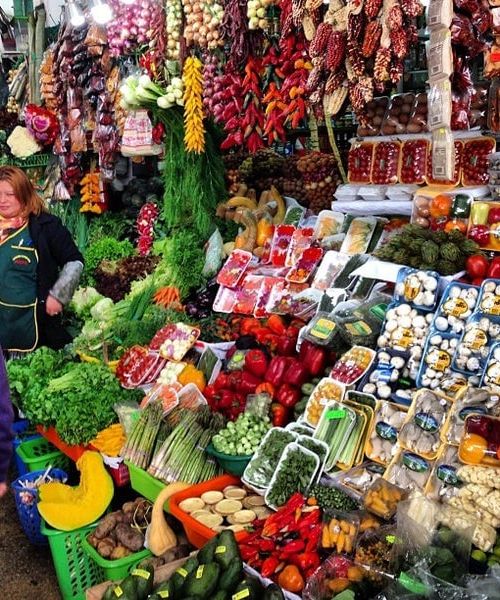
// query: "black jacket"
[[55, 248]]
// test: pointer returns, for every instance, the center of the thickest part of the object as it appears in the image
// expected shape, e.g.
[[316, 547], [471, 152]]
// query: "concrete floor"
[[26, 571]]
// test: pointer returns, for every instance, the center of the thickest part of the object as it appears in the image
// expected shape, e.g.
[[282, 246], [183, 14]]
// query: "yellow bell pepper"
[[190, 374], [495, 236]]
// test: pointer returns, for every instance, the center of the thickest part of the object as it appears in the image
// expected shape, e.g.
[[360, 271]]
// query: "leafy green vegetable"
[[83, 300], [330, 497], [106, 248], [109, 224]]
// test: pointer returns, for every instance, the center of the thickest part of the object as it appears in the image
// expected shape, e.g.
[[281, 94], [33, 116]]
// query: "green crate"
[[114, 570], [38, 454], [75, 570], [143, 483], [22, 8]]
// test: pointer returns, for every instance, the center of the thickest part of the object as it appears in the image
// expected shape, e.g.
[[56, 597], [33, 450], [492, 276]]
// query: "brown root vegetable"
[[107, 525], [129, 537], [105, 547], [93, 540], [142, 509], [119, 552], [128, 507]]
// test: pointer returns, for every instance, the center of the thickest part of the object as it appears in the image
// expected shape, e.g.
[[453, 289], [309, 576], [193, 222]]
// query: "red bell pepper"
[[276, 370], [248, 383], [226, 399], [296, 374], [286, 345], [493, 215], [276, 324], [234, 380], [248, 325], [221, 382], [256, 362], [212, 395], [494, 269], [279, 414], [294, 547], [306, 561], [269, 566], [287, 395], [312, 357]]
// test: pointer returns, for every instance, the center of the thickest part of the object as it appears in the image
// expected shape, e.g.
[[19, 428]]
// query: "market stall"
[[284, 380]]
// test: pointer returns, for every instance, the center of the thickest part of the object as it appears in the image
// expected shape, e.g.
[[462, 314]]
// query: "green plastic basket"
[[38, 454], [235, 465], [75, 570], [114, 570], [143, 483]]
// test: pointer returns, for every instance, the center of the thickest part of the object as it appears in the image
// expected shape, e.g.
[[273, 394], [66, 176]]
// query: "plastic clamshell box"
[[452, 431], [329, 223], [351, 357], [197, 533], [292, 447], [491, 372], [350, 450], [490, 454], [443, 480], [234, 268], [365, 473], [406, 337], [359, 235], [386, 370], [247, 477], [332, 264], [406, 459]]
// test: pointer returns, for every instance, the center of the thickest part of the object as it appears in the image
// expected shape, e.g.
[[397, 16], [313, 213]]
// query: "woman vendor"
[[40, 267]]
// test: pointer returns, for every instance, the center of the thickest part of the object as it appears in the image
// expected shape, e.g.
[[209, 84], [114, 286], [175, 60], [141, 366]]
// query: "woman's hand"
[[3, 488], [52, 306]]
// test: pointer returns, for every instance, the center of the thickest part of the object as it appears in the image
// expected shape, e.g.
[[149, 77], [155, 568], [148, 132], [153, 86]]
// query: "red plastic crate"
[[50, 434], [197, 533]]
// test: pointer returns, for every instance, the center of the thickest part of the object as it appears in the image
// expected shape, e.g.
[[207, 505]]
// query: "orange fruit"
[[456, 224], [472, 449], [440, 206]]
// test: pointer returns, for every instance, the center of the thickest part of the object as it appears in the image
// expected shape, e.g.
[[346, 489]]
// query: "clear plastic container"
[[332, 264], [262, 466], [382, 437], [489, 299], [382, 498], [319, 448], [375, 111], [234, 268], [280, 244], [389, 376], [491, 373], [480, 443], [443, 482], [385, 163], [247, 295], [329, 223], [339, 531], [421, 431], [475, 160], [179, 339], [437, 359], [360, 478], [225, 300], [326, 391], [413, 161], [359, 235], [300, 241], [352, 365], [305, 265], [360, 162], [334, 428], [288, 479], [409, 471], [263, 296], [457, 172]]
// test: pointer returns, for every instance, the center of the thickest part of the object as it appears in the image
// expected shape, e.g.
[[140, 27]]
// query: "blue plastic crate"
[[19, 429], [27, 504]]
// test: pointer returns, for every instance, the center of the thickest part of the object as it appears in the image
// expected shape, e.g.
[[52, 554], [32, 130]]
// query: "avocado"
[[227, 549], [144, 581], [206, 554], [126, 590], [109, 594], [202, 582], [231, 576], [165, 589], [179, 577], [273, 592], [250, 588]]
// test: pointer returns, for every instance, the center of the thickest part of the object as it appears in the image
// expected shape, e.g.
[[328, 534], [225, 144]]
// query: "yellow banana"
[[243, 201]]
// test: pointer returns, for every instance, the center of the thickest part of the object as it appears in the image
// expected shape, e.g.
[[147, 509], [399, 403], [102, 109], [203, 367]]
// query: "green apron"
[[18, 301]]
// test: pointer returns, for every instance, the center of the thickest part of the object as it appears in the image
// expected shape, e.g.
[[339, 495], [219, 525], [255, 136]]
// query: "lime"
[[479, 555]]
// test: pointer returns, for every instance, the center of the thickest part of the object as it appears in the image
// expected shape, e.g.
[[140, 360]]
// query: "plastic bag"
[[128, 412], [213, 255], [443, 154], [439, 55], [138, 135]]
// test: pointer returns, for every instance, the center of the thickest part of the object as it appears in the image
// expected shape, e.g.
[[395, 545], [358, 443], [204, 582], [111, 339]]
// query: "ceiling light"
[[101, 12], [76, 17]]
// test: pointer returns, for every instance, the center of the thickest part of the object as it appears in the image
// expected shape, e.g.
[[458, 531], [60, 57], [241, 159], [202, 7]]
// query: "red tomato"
[[477, 266]]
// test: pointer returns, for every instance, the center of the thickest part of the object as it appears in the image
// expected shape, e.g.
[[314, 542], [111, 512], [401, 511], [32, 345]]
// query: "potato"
[[106, 547], [107, 524], [93, 540], [119, 552], [129, 537]]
